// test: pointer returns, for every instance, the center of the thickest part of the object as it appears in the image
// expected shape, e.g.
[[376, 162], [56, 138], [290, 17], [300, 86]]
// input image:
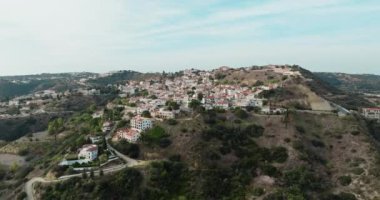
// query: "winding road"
[[29, 186], [130, 162]]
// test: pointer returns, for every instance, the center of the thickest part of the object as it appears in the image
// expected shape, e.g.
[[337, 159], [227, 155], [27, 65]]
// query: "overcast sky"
[[105, 35]]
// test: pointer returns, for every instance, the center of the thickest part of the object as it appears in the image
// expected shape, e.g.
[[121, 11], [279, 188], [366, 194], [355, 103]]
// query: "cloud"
[[96, 35]]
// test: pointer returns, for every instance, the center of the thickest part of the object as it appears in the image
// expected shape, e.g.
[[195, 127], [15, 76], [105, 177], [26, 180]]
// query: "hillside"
[[9, 89], [303, 150], [225, 157], [13, 86], [347, 99], [121, 77], [352, 83]]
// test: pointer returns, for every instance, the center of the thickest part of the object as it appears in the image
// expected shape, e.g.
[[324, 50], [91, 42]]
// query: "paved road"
[[130, 162], [29, 185], [341, 109]]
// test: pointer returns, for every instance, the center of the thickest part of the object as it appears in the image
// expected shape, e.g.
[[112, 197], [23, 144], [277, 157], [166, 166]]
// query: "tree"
[[345, 180], [55, 127], [258, 83], [92, 173], [14, 167], [200, 96], [21, 196], [190, 93], [279, 154], [153, 96], [146, 113], [172, 122], [172, 105], [241, 114], [103, 158], [194, 104], [84, 174], [287, 118]]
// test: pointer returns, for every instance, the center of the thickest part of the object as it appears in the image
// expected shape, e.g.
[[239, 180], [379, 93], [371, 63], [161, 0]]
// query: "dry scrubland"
[[333, 147]]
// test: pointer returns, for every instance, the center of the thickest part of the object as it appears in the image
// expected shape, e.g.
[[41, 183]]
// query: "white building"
[[14, 102], [88, 152], [272, 110], [371, 113], [165, 114], [141, 123], [51, 93], [222, 104], [107, 126], [98, 114], [256, 102], [131, 135], [95, 139], [93, 92]]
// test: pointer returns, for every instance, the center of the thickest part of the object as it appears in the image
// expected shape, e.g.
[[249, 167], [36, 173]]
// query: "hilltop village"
[[121, 121], [166, 98], [172, 97]]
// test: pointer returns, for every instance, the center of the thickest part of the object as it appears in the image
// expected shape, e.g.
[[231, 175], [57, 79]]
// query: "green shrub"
[[358, 171], [355, 132], [153, 135], [184, 130], [23, 152], [302, 178], [345, 180], [3, 172], [279, 154], [127, 148], [292, 193], [237, 121], [241, 114], [166, 176], [340, 196], [146, 114], [258, 191], [175, 158], [172, 122], [297, 145], [84, 174], [225, 150], [214, 156], [300, 129], [122, 123], [317, 143], [21, 196], [254, 130], [269, 170], [346, 196], [165, 142], [23, 172]]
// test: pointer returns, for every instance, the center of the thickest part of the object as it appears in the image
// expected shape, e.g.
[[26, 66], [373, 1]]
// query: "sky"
[[47, 36]]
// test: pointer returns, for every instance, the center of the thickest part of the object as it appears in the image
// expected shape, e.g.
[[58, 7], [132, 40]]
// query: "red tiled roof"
[[90, 147]]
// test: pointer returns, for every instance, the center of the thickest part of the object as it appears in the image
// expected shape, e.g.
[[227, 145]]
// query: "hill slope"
[[368, 83]]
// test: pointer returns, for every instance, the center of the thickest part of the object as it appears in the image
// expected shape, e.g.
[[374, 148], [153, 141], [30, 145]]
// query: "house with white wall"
[[141, 123], [88, 152], [371, 113]]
